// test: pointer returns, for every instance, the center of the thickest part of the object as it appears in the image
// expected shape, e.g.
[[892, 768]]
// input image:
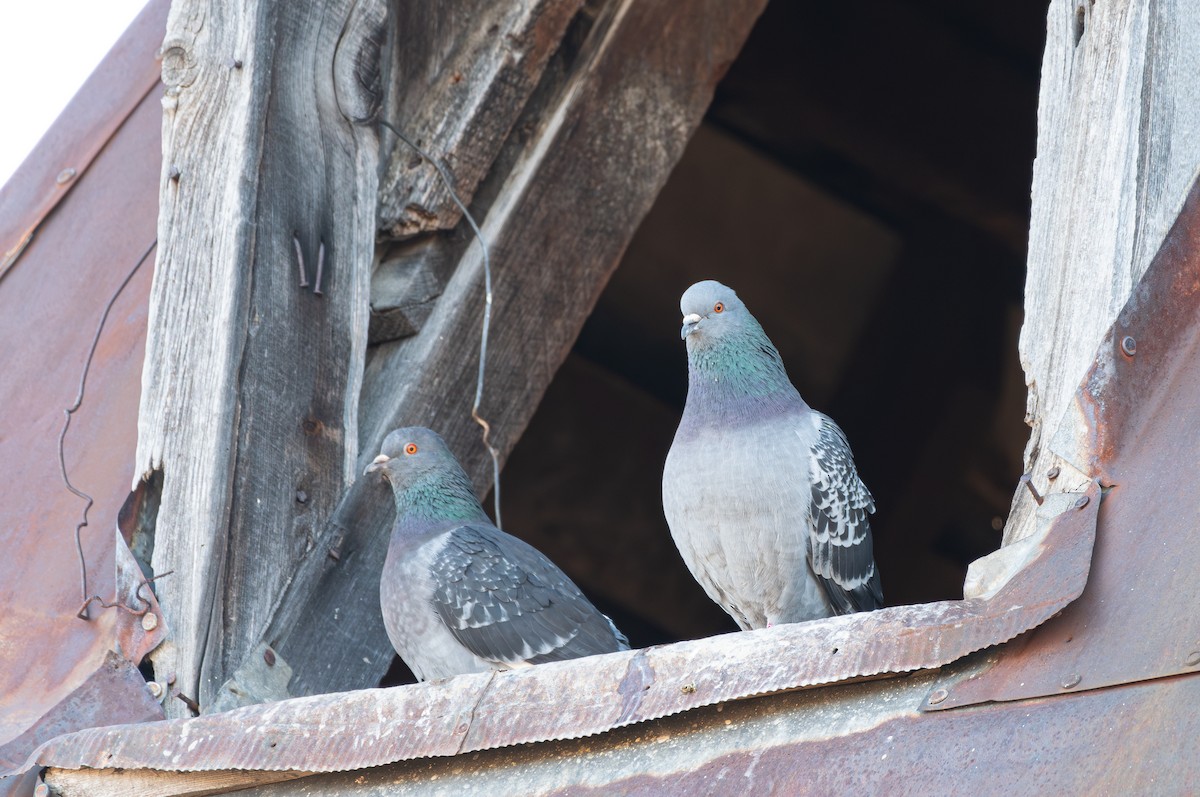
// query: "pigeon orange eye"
[[410, 449], [719, 307]]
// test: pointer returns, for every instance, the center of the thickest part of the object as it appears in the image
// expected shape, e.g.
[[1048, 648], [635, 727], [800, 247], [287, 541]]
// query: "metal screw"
[[1072, 681], [174, 174], [688, 689], [1027, 480], [300, 261], [155, 688], [301, 497], [938, 696], [1081, 501], [171, 679], [65, 176], [1129, 346], [269, 657], [149, 621], [192, 705], [320, 268], [1192, 659], [1052, 474]]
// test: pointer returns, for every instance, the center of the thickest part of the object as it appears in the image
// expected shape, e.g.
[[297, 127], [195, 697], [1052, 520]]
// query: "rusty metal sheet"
[[140, 627], [90, 704], [120, 83], [1135, 740], [114, 692], [51, 301], [570, 699], [1138, 617]]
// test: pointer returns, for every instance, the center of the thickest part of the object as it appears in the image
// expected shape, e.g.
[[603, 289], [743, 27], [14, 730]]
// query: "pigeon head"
[[729, 356], [411, 454], [427, 481], [711, 311]]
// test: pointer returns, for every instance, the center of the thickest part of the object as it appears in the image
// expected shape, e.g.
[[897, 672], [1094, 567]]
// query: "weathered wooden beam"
[[585, 162], [251, 382], [464, 71], [1117, 155]]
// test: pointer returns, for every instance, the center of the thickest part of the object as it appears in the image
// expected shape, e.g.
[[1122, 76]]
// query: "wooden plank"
[[1117, 155], [568, 190], [250, 391], [464, 71]]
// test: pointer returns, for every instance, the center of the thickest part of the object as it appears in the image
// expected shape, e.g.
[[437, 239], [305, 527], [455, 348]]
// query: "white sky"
[[47, 50]]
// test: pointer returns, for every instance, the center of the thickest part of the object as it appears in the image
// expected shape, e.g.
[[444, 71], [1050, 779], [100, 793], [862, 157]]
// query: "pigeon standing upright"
[[459, 595], [759, 490]]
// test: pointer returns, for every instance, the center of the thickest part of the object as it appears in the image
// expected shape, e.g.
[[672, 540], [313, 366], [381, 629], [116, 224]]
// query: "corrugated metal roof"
[[74, 220], [571, 699]]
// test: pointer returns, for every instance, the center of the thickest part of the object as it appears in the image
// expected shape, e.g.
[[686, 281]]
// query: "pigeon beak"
[[377, 464], [689, 325]]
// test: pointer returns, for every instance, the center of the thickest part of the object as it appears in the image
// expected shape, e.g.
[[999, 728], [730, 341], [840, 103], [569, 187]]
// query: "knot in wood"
[[178, 65], [358, 63]]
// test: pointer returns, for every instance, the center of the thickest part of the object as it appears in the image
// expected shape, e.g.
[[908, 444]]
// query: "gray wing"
[[506, 602], [840, 549]]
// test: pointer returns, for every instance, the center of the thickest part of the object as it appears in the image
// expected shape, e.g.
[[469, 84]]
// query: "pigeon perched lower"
[[458, 594], [759, 490]]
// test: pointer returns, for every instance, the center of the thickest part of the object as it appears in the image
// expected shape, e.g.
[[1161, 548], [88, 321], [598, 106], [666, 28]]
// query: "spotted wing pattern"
[[506, 602], [840, 549]]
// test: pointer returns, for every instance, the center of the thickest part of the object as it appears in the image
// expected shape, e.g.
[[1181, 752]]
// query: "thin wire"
[[62, 462], [487, 311], [118, 605]]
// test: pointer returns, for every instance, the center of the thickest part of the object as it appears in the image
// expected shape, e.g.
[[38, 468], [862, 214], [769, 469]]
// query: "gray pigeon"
[[760, 491], [458, 594]]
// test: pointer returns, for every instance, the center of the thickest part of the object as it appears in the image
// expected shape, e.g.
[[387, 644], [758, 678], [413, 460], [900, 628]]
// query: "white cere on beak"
[[377, 464], [689, 324]]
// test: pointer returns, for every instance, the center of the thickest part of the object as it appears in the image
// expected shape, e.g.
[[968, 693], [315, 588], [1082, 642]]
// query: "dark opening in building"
[[865, 189]]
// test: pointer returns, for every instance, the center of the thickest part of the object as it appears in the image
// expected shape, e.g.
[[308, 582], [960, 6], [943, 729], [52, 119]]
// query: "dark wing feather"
[[840, 548], [506, 602]]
